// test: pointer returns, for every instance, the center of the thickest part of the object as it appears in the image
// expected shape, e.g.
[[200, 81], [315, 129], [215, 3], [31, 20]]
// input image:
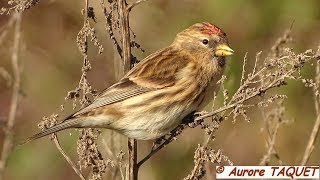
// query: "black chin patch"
[[222, 62]]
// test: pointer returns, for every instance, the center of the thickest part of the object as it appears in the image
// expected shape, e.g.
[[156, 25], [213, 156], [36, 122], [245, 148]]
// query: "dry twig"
[[315, 131], [87, 148], [89, 155], [74, 167], [15, 98], [18, 6], [273, 121]]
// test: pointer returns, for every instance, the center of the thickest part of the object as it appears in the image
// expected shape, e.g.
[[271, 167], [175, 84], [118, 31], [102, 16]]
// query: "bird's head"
[[204, 41]]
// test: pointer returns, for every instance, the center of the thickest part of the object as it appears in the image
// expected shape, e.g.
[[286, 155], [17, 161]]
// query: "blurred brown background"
[[52, 66]]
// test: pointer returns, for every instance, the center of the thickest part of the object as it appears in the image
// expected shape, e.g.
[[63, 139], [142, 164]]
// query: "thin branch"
[[109, 24], [158, 148], [115, 160], [187, 121], [271, 130], [270, 86], [88, 153], [256, 62], [315, 131], [270, 144], [5, 74], [74, 167], [7, 143], [201, 160], [172, 136], [245, 59], [5, 29], [129, 8]]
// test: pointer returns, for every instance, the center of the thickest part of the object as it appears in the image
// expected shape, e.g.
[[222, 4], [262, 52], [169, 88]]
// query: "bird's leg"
[[192, 120], [189, 118], [157, 142]]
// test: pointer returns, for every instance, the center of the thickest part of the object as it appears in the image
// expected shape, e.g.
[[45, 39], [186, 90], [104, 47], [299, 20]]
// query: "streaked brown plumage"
[[154, 97]]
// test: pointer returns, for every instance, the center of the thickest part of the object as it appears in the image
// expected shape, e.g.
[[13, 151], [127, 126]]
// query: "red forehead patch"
[[208, 28]]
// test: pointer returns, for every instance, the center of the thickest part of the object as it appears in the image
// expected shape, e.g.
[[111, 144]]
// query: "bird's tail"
[[63, 125]]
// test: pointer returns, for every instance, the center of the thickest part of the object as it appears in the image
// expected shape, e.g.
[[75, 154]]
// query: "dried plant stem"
[[245, 84], [5, 29], [126, 50], [7, 143], [85, 87], [125, 34], [271, 85], [311, 142], [57, 143], [270, 143], [200, 161], [245, 59], [67, 158], [154, 151], [120, 20], [132, 153], [315, 131], [129, 8], [74, 167]]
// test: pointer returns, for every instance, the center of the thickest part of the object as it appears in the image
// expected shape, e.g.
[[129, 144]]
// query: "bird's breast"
[[210, 89]]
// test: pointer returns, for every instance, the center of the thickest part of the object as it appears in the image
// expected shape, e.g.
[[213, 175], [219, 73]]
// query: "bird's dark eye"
[[205, 41]]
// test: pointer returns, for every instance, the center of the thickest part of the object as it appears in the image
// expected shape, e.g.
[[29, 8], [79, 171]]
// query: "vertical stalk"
[[125, 34], [316, 127], [7, 143], [132, 150]]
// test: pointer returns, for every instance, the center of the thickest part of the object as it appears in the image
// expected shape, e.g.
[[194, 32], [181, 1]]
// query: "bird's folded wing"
[[118, 92], [155, 72]]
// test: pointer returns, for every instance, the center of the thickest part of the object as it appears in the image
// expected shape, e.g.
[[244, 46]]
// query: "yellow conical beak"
[[223, 50]]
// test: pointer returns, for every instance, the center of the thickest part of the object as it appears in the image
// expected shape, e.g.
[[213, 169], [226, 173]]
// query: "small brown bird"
[[154, 97]]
